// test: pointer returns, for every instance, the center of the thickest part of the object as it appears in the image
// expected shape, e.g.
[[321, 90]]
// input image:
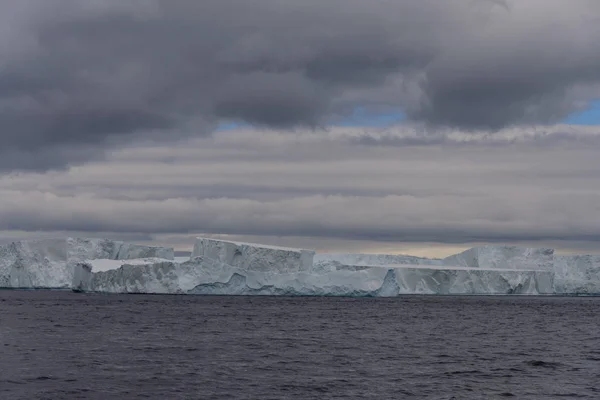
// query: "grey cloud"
[[89, 74], [399, 218], [479, 192], [271, 99]]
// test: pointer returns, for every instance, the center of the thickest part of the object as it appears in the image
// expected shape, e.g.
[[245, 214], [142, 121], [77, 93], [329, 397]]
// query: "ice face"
[[211, 277], [50, 263], [31, 264], [374, 259], [504, 257], [91, 249], [161, 277], [254, 257], [207, 276], [383, 282], [577, 274], [223, 267]]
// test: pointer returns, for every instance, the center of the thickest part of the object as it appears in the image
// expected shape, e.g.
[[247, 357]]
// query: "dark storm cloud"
[[80, 75]]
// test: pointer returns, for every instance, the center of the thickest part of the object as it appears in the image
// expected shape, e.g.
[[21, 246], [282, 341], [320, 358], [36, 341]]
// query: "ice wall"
[[254, 257], [374, 259], [577, 274], [49, 263], [31, 264], [210, 277], [384, 282], [159, 277], [224, 267], [504, 257], [331, 261]]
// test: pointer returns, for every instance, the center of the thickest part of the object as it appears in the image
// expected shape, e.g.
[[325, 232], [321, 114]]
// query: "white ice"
[[49, 263], [223, 267], [206, 276], [254, 257]]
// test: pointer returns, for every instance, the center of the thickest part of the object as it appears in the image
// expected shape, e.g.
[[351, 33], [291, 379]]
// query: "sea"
[[63, 345]]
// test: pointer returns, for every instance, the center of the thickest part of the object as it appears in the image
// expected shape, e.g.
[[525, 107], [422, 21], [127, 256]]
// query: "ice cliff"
[[209, 277], [232, 268], [254, 257], [49, 263], [578, 274], [506, 257]]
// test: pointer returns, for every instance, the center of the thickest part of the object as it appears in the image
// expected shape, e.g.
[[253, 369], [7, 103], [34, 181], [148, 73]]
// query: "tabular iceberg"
[[374, 259], [207, 276], [231, 268], [49, 263], [577, 274], [254, 257], [507, 257]]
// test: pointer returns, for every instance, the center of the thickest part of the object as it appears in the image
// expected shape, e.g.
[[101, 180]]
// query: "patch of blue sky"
[[591, 116]]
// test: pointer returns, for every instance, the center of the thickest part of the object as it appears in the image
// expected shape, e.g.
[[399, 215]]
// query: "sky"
[[420, 127]]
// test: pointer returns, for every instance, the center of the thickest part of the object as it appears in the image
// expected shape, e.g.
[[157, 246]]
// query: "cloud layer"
[[79, 76], [519, 185]]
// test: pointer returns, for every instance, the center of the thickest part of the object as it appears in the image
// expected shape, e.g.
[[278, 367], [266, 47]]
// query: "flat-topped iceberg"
[[232, 268], [49, 263], [506, 257], [211, 277], [166, 277], [254, 257], [579, 274], [219, 267]]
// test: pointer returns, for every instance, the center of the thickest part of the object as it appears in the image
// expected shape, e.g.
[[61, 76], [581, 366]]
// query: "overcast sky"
[[344, 125]]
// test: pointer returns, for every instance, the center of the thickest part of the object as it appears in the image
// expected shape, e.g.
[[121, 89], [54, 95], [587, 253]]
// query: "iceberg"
[[49, 263], [578, 274], [507, 257], [208, 276], [211, 277], [374, 259], [220, 267], [231, 268], [254, 257]]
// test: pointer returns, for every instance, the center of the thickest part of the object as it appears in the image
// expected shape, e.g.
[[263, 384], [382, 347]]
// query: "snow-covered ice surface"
[[232, 268], [49, 263]]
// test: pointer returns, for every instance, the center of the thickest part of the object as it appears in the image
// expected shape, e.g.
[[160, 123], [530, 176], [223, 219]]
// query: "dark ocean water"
[[61, 345]]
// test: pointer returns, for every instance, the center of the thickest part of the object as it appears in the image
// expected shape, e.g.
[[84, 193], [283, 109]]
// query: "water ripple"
[[60, 345]]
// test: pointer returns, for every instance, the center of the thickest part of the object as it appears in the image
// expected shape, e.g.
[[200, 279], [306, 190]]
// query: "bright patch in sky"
[[363, 117], [591, 116]]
